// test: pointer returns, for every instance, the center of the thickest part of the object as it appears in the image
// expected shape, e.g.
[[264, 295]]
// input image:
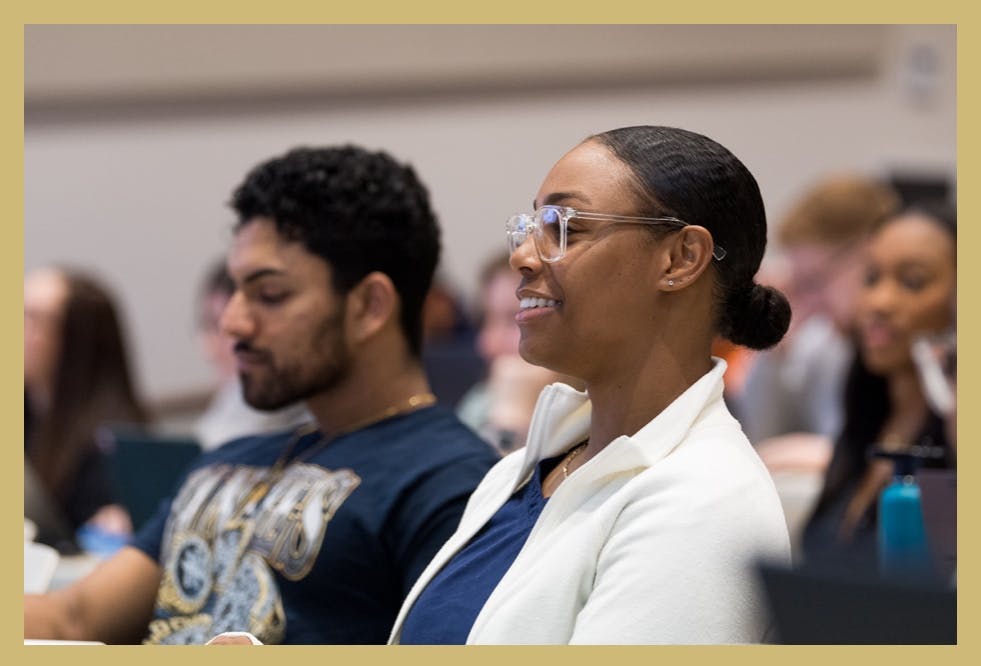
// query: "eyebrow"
[[917, 265], [560, 197], [261, 273]]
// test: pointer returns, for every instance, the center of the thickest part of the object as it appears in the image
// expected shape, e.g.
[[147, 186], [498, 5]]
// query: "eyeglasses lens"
[[549, 239]]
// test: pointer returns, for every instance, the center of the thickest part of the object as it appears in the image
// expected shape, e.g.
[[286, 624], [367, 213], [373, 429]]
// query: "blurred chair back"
[[452, 367], [51, 524], [145, 467]]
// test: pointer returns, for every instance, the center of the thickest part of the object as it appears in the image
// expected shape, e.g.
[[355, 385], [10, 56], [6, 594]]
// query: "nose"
[[525, 257], [881, 297], [236, 321]]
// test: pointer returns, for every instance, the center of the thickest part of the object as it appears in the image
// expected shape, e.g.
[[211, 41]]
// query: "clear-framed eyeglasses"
[[549, 228]]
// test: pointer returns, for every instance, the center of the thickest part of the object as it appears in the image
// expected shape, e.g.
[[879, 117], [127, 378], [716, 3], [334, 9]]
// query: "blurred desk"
[[839, 605], [72, 567]]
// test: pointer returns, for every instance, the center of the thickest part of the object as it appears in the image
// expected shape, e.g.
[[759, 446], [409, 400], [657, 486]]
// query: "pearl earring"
[[670, 283]]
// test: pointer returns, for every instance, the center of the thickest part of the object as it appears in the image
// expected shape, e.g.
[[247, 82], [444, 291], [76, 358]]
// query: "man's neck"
[[370, 395]]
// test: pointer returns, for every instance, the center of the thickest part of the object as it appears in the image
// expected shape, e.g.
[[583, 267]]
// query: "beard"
[[324, 365]]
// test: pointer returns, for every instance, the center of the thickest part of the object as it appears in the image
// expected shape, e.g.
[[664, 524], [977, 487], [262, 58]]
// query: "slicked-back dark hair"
[[357, 210], [689, 176]]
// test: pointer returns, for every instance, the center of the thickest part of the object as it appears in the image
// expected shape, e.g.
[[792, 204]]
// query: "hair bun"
[[756, 316]]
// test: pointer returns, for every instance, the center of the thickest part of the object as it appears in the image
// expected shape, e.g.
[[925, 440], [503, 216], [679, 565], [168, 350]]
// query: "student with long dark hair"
[[76, 379], [908, 291]]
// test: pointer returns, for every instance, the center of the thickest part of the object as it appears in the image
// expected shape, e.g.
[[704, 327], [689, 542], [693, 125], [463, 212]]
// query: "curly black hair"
[[360, 211]]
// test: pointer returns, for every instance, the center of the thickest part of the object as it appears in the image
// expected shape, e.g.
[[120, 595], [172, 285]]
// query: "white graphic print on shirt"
[[230, 530]]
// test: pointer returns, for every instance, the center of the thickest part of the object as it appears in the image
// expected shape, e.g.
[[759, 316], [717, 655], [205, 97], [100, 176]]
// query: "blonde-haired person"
[[638, 510]]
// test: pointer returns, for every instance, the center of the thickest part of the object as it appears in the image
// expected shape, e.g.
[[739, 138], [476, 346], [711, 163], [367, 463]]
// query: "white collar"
[[562, 419]]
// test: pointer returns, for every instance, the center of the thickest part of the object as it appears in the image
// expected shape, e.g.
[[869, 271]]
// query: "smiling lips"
[[877, 335], [532, 307], [530, 303]]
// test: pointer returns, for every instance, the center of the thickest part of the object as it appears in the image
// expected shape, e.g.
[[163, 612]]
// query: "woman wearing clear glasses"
[[638, 510]]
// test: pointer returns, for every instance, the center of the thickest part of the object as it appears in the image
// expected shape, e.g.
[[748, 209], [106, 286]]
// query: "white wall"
[[137, 193]]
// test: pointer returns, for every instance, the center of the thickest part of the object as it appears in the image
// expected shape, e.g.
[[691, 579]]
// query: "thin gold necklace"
[[572, 456], [410, 404]]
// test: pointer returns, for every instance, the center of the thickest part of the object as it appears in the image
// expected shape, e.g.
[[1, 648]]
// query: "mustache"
[[242, 347]]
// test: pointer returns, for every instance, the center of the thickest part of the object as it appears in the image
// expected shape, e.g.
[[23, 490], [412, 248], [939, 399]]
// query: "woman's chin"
[[886, 361], [534, 354]]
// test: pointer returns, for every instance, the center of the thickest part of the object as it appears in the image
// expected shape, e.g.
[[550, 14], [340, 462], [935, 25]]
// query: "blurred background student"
[[908, 292], [499, 407], [76, 380], [876, 99], [449, 357], [227, 416], [790, 401]]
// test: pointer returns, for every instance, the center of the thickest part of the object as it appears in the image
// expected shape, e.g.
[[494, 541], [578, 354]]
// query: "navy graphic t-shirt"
[[321, 551]]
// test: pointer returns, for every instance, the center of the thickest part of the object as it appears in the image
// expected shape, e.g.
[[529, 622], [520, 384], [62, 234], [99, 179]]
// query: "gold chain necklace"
[[572, 456], [410, 404]]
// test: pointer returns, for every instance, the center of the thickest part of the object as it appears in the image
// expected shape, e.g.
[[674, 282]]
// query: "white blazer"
[[654, 540]]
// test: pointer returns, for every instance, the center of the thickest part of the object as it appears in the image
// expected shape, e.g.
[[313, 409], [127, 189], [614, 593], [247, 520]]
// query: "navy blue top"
[[445, 611], [323, 552]]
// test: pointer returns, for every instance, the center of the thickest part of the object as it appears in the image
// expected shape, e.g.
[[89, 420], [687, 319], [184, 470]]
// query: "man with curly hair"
[[314, 535]]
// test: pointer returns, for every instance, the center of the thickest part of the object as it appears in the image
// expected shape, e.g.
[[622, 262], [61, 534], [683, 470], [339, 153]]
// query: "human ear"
[[371, 304], [690, 253]]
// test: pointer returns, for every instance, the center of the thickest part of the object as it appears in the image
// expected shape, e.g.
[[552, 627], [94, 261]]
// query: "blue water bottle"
[[903, 547]]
